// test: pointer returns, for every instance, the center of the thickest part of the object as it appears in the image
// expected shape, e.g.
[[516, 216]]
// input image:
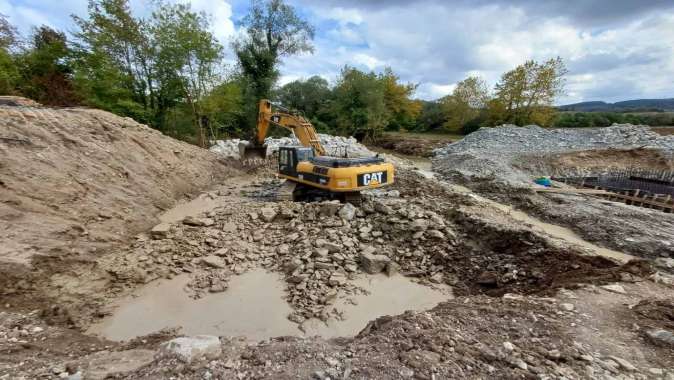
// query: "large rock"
[[347, 212], [192, 348], [382, 208], [662, 337], [332, 247], [198, 222], [419, 225], [330, 208], [268, 214], [105, 364], [213, 261], [372, 263], [161, 231], [615, 288]]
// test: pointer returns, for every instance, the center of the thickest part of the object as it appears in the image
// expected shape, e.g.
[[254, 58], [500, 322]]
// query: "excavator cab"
[[290, 156]]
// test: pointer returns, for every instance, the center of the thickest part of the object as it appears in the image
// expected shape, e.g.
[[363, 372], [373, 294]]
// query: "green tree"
[[188, 59], [469, 98], [397, 97], [273, 30], [117, 48], [431, 117], [359, 104], [307, 96], [46, 75], [223, 108], [9, 73], [8, 33], [526, 94]]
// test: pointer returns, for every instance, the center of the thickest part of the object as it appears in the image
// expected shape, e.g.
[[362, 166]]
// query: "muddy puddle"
[[253, 306], [383, 296]]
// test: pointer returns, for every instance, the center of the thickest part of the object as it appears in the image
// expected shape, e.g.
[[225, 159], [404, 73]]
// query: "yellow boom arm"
[[301, 127]]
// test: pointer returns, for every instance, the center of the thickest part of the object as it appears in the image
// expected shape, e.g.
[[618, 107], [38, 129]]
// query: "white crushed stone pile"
[[334, 145], [488, 153]]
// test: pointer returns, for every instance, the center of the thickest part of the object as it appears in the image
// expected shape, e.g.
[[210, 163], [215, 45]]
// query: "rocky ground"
[[528, 304], [502, 162], [334, 145], [502, 273], [511, 156]]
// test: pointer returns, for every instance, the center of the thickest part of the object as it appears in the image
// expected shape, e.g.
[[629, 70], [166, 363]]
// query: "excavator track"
[[286, 191]]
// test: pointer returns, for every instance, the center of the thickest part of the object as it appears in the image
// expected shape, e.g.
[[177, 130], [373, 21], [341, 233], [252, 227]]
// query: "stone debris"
[[337, 146], [198, 222], [624, 364], [373, 263], [660, 336], [347, 212], [615, 288], [567, 306], [268, 214], [106, 364], [494, 153], [161, 231], [213, 261], [192, 348], [320, 247]]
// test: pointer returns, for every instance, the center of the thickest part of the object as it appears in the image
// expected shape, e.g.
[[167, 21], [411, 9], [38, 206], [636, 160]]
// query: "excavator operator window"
[[288, 161], [304, 154], [283, 157]]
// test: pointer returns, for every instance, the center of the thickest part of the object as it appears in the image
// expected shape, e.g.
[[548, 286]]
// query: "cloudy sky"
[[614, 49]]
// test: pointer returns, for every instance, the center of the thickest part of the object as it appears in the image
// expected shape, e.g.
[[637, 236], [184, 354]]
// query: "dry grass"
[[665, 131]]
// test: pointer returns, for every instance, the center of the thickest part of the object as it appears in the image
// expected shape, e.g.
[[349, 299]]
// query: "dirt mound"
[[593, 162], [16, 101], [73, 182], [410, 145]]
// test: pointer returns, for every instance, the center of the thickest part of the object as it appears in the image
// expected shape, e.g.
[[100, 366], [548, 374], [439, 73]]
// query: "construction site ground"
[[96, 212]]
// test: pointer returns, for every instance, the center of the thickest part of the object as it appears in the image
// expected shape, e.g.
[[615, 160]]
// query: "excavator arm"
[[303, 130]]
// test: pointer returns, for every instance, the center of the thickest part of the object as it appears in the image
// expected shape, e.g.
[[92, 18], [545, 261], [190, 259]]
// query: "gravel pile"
[[489, 153], [334, 145]]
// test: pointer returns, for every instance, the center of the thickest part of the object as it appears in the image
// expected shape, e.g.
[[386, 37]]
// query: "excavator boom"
[[303, 130]]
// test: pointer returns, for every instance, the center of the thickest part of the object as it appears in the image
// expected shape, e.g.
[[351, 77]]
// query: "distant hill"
[[627, 105]]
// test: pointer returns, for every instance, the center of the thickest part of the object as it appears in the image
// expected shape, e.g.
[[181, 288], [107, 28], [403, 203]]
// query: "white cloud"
[[25, 17], [344, 16], [367, 60], [221, 12], [434, 90], [437, 44], [628, 50]]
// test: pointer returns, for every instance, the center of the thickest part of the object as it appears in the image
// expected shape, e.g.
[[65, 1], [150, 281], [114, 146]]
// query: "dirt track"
[[529, 304]]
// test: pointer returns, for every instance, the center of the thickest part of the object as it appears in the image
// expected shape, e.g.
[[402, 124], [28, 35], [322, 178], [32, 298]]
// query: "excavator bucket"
[[248, 151]]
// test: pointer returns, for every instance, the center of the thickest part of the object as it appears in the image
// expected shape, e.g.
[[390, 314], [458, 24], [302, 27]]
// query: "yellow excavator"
[[308, 169]]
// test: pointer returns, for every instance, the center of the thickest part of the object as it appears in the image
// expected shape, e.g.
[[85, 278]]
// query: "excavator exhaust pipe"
[[248, 151]]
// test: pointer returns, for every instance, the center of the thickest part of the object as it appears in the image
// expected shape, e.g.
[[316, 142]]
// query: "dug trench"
[[419, 228]]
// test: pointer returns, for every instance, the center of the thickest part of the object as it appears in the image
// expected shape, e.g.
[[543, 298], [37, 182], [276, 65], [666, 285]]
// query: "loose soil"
[[530, 297], [410, 145]]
